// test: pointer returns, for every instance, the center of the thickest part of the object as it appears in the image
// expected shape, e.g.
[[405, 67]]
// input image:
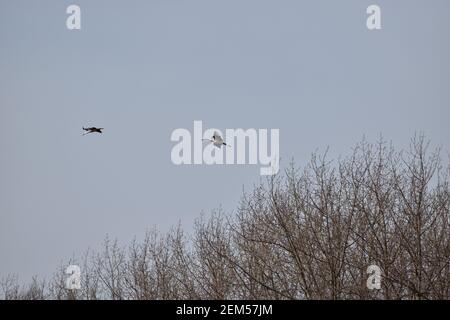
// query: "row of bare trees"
[[306, 234]]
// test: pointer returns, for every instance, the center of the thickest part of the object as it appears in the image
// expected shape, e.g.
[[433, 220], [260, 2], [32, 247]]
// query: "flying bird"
[[92, 130], [217, 140]]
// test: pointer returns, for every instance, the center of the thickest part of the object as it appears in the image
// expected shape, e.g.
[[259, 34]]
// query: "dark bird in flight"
[[92, 130]]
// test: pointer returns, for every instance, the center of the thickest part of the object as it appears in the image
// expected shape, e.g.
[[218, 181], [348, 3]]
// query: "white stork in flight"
[[217, 140]]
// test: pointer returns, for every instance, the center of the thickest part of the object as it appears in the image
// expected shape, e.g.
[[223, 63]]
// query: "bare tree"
[[305, 234]]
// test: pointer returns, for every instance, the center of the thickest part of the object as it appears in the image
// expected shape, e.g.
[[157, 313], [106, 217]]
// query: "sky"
[[142, 69]]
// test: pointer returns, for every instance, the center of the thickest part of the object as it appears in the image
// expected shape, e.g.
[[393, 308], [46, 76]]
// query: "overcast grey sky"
[[141, 69]]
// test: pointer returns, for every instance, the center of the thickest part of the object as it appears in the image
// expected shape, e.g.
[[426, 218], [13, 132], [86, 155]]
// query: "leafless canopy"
[[305, 234]]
